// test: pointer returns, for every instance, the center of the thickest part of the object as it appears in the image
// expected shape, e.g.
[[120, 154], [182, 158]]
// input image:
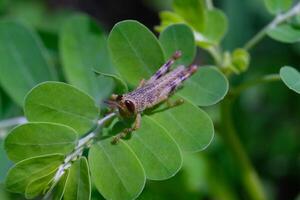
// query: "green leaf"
[[36, 187], [23, 60], [116, 171], [192, 11], [5, 162], [35, 139], [190, 127], [206, 87], [291, 78], [123, 88], [157, 151], [179, 37], [26, 171], [60, 188], [215, 26], [278, 6], [135, 50], [285, 33], [78, 185], [168, 18], [61, 103], [83, 47]]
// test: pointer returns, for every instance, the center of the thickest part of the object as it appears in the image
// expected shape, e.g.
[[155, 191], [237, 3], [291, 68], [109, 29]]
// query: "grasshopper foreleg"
[[126, 131]]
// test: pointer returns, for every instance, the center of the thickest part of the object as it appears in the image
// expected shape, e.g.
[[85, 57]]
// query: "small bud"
[[240, 59]]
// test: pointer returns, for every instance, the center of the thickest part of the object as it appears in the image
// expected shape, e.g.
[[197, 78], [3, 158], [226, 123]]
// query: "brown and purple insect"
[[150, 93]]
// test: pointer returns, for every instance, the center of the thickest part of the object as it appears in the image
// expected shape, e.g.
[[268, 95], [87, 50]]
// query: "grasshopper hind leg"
[[165, 68]]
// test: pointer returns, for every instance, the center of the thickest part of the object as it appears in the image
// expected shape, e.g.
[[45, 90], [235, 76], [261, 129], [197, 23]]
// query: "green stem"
[[209, 4], [275, 22], [264, 79], [216, 53], [250, 180]]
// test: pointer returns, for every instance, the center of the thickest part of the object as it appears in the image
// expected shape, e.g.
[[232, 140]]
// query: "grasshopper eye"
[[130, 106]]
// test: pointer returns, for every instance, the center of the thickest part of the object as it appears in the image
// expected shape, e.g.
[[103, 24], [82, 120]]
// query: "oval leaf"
[[35, 139], [36, 187], [157, 151], [23, 61], [206, 87], [116, 171], [135, 50], [278, 6], [78, 185], [192, 11], [215, 26], [190, 127], [60, 188], [120, 83], [26, 171], [291, 77], [179, 37], [285, 33], [83, 47], [61, 103]]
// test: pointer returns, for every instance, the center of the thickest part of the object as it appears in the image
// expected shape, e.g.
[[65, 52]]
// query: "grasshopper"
[[150, 93]]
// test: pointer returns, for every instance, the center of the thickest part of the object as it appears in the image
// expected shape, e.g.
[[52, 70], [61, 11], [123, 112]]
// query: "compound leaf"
[[28, 170], [206, 87], [291, 78], [23, 61], [179, 37], [116, 171], [78, 185], [135, 50], [83, 47], [61, 103], [157, 151], [35, 139]]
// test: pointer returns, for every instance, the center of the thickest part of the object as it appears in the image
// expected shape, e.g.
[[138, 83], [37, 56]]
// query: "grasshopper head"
[[125, 106]]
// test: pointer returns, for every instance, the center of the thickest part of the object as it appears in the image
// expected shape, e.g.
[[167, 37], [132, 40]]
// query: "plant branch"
[[209, 4], [216, 53], [275, 22], [83, 143], [264, 79], [250, 180]]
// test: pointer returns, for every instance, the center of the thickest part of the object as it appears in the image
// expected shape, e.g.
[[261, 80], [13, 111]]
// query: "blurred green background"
[[267, 117]]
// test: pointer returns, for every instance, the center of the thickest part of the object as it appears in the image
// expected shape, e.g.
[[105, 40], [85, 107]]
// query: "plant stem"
[[77, 152], [244, 86], [209, 4], [216, 54], [280, 18], [250, 180]]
